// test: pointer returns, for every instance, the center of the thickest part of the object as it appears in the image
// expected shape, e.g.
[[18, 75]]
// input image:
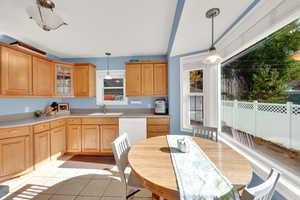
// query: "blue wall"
[[114, 62], [23, 105], [90, 103]]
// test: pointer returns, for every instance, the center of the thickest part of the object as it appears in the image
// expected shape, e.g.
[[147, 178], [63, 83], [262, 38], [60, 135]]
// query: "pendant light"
[[213, 57], [44, 16], [107, 76]]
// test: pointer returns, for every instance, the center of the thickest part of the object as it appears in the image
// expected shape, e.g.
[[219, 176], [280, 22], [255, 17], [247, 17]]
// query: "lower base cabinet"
[[90, 138], [15, 155], [74, 138], [108, 134], [58, 142], [41, 148]]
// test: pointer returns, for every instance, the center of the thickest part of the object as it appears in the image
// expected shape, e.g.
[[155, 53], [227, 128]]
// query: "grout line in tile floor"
[[39, 185]]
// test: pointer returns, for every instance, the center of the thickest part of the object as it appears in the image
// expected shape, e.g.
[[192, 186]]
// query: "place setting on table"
[[189, 168]]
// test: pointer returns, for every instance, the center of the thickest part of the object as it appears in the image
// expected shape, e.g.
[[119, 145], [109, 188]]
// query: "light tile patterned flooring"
[[52, 182]]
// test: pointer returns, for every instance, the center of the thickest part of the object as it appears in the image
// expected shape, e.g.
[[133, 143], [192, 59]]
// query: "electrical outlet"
[[135, 102]]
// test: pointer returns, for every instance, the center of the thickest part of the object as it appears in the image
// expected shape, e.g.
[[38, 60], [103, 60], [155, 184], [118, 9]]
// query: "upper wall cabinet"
[[25, 74], [147, 79], [84, 80], [43, 77], [64, 80], [133, 80], [16, 72], [160, 83]]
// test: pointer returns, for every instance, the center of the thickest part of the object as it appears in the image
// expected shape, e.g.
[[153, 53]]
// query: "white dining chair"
[[206, 132], [263, 191], [121, 147]]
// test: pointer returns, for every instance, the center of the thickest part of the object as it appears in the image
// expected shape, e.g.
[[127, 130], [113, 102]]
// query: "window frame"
[[100, 75], [185, 97]]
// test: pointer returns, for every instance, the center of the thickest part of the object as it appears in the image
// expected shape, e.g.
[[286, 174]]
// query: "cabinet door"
[[64, 80], [74, 138], [90, 138], [15, 155], [81, 81], [108, 135], [41, 148], [147, 79], [43, 77], [16, 72], [133, 80], [160, 80], [58, 142]]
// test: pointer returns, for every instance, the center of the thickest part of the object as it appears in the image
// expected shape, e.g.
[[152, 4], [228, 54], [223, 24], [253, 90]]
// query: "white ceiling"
[[194, 29], [126, 28]]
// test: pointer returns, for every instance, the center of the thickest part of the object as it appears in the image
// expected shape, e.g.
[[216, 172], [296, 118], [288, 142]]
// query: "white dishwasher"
[[136, 129]]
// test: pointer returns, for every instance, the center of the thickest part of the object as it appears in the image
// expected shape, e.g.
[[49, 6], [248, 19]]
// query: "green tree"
[[267, 84], [274, 52]]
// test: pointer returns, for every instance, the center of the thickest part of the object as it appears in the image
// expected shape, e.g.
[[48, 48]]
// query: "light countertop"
[[28, 119]]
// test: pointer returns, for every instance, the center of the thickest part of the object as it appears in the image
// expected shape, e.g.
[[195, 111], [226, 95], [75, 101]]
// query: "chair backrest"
[[206, 132], [121, 147], [263, 191]]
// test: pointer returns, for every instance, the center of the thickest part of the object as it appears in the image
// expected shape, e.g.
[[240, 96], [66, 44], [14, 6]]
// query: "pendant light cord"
[[212, 31], [107, 66]]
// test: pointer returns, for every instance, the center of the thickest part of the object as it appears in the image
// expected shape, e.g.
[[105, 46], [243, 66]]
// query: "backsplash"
[[10, 106], [87, 103]]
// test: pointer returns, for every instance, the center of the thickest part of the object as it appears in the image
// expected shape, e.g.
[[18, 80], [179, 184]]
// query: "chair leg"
[[132, 193]]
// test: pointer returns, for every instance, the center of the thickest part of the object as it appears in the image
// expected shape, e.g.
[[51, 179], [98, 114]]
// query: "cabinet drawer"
[[14, 132], [74, 121], [158, 120], [160, 128], [57, 123], [103, 120], [41, 127], [156, 134]]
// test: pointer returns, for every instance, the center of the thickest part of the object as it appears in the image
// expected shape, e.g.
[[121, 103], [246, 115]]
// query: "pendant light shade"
[[212, 57], [107, 76], [43, 14]]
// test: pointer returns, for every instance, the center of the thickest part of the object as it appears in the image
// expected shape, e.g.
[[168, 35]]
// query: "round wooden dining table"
[[151, 164]]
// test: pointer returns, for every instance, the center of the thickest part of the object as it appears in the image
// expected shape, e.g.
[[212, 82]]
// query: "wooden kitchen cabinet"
[[41, 148], [133, 80], [16, 72], [160, 83], [147, 80], [157, 126], [90, 138], [74, 138], [15, 155], [108, 134], [58, 142], [63, 80], [43, 77], [84, 80]]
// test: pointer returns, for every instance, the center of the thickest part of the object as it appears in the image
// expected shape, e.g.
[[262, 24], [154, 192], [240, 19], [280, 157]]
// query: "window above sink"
[[111, 91]]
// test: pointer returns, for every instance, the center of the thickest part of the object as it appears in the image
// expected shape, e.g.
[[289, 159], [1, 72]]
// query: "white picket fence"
[[279, 123]]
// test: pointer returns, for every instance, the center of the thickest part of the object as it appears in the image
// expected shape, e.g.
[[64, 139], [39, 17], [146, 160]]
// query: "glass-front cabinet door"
[[63, 80]]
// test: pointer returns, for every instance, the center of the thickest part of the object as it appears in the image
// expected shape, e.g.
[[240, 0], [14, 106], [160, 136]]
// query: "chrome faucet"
[[104, 108]]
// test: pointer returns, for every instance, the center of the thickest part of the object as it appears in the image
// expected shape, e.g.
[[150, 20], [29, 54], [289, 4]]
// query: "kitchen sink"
[[106, 114]]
